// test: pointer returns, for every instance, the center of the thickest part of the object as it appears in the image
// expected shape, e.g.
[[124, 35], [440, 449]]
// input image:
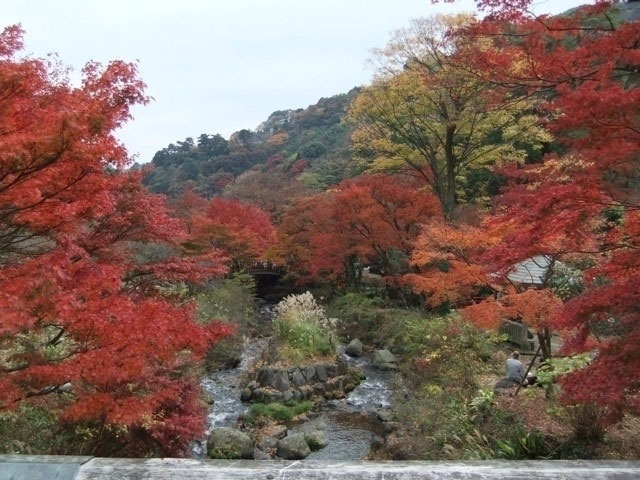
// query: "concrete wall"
[[26, 467]]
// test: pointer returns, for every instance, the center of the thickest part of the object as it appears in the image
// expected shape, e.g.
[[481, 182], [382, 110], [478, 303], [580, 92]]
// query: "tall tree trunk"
[[544, 338], [449, 193]]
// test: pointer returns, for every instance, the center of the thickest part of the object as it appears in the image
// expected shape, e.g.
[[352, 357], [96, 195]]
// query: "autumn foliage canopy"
[[79, 306], [515, 136], [581, 200]]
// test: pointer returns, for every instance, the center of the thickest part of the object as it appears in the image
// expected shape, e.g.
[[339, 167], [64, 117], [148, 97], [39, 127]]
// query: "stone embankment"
[[306, 382]]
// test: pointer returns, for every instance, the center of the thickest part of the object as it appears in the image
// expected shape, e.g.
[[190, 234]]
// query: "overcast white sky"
[[219, 66]]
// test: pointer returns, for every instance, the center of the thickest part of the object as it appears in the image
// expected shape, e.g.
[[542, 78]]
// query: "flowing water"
[[225, 387], [351, 423]]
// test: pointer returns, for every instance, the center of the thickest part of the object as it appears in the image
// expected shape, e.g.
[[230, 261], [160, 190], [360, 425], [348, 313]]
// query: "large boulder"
[[260, 454], [316, 439], [229, 443], [383, 359], [354, 349], [293, 447]]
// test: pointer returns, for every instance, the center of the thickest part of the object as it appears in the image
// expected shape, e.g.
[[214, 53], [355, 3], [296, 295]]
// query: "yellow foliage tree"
[[425, 111]]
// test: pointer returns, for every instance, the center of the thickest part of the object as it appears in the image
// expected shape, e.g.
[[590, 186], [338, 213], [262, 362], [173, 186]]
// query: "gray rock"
[[349, 385], [306, 391], [297, 395], [287, 395], [280, 432], [246, 394], [260, 454], [268, 442], [316, 439], [387, 366], [297, 378], [334, 384], [321, 372], [383, 356], [266, 395], [354, 349], [229, 443], [343, 367], [312, 414], [309, 374], [384, 415], [281, 381], [293, 447], [318, 389], [265, 376], [332, 370]]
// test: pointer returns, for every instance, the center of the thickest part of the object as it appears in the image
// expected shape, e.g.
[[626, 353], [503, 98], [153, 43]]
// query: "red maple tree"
[[365, 220], [242, 231], [581, 199], [81, 316]]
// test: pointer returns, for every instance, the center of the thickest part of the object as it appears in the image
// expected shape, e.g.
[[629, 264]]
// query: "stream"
[[351, 423]]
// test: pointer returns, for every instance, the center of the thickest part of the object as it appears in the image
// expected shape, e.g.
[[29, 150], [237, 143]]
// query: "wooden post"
[[528, 369]]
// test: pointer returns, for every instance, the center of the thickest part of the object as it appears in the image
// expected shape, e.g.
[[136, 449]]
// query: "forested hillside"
[[311, 144]]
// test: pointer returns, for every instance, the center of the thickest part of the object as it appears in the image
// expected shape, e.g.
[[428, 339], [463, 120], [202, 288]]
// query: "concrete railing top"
[[30, 467]]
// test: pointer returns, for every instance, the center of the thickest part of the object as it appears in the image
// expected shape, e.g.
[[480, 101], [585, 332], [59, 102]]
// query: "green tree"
[[425, 113]]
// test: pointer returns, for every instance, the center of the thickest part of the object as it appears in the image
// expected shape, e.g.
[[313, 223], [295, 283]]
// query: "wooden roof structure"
[[533, 271]]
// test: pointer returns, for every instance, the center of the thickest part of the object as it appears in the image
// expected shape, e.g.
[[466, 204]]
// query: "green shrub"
[[280, 412], [587, 421], [224, 452], [302, 325], [37, 430], [30, 430], [483, 403], [445, 350], [451, 417], [230, 301], [301, 407], [525, 446]]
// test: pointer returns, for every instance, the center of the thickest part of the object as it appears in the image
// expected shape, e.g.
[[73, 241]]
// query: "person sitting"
[[515, 369]]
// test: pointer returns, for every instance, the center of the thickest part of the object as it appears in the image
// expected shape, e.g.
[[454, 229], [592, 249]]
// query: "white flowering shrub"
[[304, 327]]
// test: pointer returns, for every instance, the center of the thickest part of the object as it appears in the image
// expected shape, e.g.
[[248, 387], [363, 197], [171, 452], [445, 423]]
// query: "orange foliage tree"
[[370, 219]]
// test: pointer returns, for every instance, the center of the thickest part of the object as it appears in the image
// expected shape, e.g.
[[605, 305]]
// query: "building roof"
[[532, 271]]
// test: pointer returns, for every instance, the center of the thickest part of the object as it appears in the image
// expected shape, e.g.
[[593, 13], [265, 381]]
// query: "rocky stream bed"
[[351, 424]]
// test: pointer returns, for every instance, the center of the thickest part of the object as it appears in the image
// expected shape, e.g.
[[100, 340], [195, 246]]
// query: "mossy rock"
[[229, 443], [316, 439]]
